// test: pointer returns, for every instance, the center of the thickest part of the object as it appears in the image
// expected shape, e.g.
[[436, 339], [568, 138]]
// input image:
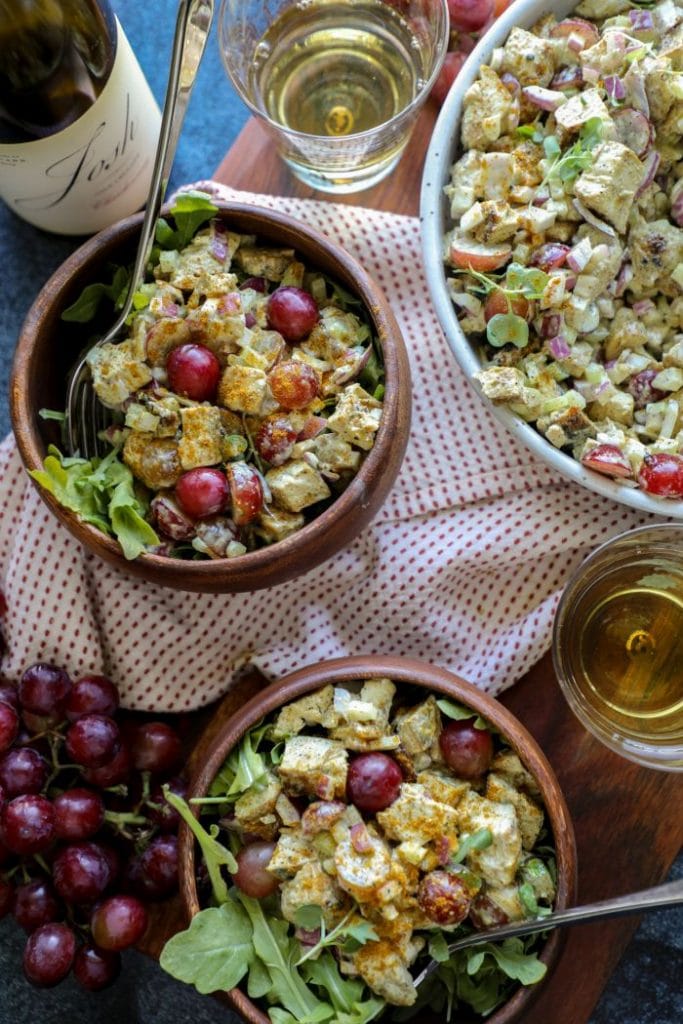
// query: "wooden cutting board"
[[629, 827]]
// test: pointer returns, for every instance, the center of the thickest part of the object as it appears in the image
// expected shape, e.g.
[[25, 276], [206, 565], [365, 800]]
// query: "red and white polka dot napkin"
[[462, 566]]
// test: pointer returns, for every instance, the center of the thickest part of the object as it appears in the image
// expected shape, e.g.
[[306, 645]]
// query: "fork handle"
[[670, 894], [193, 23]]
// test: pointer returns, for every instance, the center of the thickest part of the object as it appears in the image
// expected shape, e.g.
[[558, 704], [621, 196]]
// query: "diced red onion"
[[258, 284], [590, 218], [650, 165], [615, 88], [353, 368], [624, 278], [324, 787], [511, 83], [249, 320], [570, 282], [576, 42], [229, 304], [590, 74], [170, 309], [558, 347], [320, 817], [580, 255], [619, 40], [360, 837], [544, 99], [643, 306], [541, 199], [218, 250], [641, 21], [307, 937], [568, 78], [550, 325], [610, 364], [313, 426]]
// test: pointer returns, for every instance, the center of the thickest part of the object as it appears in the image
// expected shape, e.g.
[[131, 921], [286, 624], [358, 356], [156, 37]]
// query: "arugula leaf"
[[527, 898], [52, 414], [345, 994], [190, 210], [214, 853], [353, 929], [530, 131], [86, 305], [515, 962], [479, 840], [214, 953], [278, 953], [438, 947], [460, 713]]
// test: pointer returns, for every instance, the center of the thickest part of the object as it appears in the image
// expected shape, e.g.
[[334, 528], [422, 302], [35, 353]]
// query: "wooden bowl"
[[48, 347], [407, 672]]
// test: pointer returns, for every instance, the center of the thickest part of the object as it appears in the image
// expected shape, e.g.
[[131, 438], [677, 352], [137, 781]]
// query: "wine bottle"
[[78, 122]]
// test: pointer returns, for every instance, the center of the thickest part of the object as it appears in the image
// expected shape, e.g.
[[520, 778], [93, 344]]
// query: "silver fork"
[[86, 417], [658, 898]]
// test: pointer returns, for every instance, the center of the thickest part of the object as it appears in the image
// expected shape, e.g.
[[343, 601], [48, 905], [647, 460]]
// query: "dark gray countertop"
[[645, 989]]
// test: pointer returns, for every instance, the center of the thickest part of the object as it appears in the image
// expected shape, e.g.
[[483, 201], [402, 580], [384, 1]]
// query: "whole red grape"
[[373, 781], [113, 773], [294, 385], [159, 867], [156, 748], [44, 688], [118, 922], [292, 312], [81, 873], [467, 751], [252, 876], [49, 954], [165, 817], [35, 904], [93, 740], [22, 770], [246, 492], [450, 70], [202, 492], [92, 695], [444, 898], [79, 813], [469, 15], [95, 969], [9, 694], [27, 824], [193, 371]]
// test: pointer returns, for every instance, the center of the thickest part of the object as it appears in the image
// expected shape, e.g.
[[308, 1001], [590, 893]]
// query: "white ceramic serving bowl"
[[443, 151]]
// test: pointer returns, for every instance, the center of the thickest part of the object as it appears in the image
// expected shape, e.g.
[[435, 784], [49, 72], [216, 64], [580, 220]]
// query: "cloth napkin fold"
[[463, 565]]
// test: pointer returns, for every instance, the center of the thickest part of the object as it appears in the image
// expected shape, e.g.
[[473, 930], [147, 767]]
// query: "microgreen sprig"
[[568, 165], [350, 931], [529, 283]]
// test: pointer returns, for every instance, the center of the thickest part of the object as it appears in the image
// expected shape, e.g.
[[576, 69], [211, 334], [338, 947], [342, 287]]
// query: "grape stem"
[[122, 818]]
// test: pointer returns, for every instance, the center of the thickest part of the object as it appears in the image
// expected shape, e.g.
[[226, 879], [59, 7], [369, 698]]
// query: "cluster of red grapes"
[[469, 19], [86, 836]]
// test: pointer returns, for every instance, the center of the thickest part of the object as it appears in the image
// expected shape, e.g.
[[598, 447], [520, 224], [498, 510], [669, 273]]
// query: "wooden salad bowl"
[[48, 347], [407, 672]]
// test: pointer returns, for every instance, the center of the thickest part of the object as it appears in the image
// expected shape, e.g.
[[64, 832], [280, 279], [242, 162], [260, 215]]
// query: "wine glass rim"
[[410, 108]]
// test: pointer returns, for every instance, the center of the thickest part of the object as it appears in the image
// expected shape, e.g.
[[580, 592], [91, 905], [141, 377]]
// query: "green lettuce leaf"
[[86, 305], [214, 953], [101, 492]]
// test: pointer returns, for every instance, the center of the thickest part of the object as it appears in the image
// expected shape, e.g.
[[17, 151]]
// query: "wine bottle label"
[[99, 168]]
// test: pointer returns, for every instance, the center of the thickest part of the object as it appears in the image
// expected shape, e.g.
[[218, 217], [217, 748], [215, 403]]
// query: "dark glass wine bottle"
[[78, 122]]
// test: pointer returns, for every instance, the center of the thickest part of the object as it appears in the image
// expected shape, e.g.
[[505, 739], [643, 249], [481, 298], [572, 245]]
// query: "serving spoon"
[[85, 415], [658, 898]]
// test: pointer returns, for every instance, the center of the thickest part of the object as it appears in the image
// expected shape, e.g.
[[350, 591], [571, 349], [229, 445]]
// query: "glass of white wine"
[[618, 645], [338, 83]]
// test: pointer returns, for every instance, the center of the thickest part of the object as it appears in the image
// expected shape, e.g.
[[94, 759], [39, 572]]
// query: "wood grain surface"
[[627, 819]]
